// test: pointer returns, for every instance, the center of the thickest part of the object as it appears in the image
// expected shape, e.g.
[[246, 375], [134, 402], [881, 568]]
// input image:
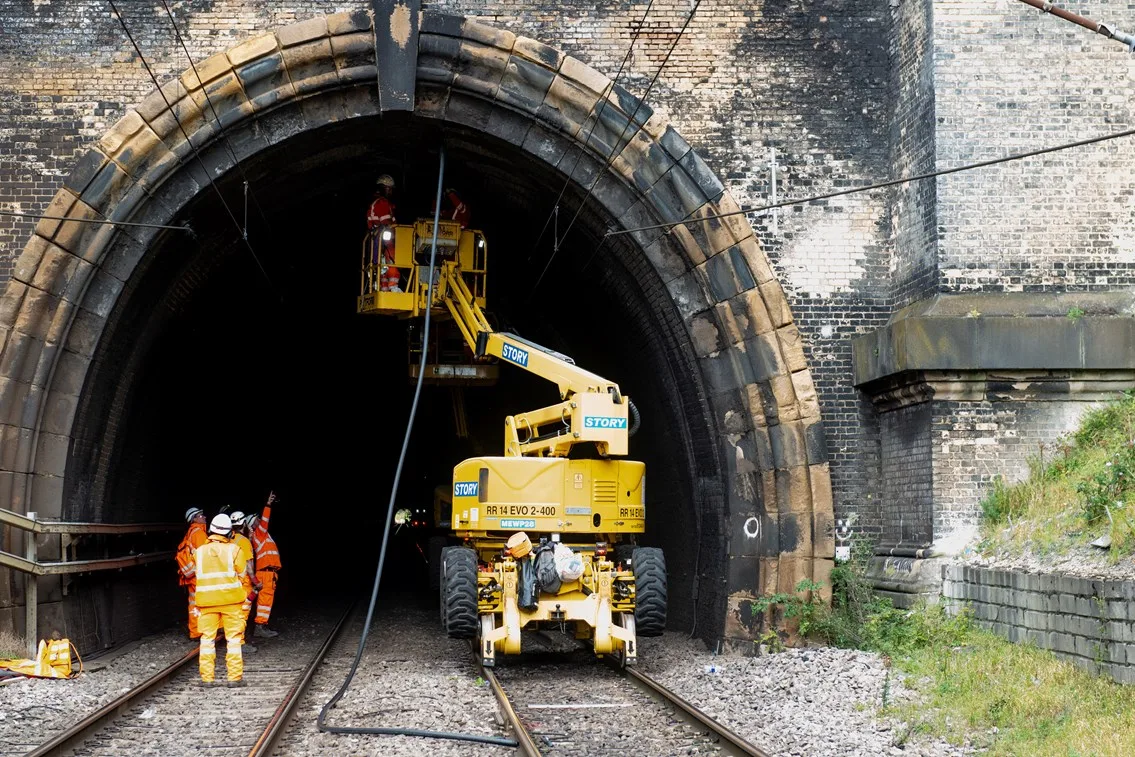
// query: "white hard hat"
[[252, 521], [192, 513], [222, 524], [237, 517], [386, 180]]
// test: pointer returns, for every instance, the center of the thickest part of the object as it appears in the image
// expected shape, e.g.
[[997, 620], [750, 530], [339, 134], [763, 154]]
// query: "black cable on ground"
[[497, 740]]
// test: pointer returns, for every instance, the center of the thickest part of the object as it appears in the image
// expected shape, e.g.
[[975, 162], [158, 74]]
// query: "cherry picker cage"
[[586, 511]]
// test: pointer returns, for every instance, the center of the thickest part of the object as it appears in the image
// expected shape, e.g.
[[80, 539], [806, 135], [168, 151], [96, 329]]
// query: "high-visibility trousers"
[[390, 276], [193, 632], [267, 594], [211, 619]]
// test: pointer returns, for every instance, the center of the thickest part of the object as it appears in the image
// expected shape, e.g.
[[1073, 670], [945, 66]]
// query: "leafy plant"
[[1075, 313]]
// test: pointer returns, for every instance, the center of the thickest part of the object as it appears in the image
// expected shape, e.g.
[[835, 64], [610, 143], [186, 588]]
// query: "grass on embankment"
[[973, 687], [1080, 487]]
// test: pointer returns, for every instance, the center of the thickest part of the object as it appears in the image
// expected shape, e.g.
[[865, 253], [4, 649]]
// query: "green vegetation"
[[974, 687], [1079, 488]]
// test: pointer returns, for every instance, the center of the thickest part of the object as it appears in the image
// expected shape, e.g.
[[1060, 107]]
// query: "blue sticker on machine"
[[603, 421], [517, 523], [464, 488], [514, 355]]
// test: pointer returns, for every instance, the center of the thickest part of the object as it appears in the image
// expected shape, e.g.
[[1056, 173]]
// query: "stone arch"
[[771, 512]]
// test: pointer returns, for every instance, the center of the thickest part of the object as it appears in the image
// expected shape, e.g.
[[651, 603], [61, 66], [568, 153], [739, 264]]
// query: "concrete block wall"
[[1090, 623]]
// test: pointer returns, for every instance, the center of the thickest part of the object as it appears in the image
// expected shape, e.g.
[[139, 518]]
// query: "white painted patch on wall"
[[826, 257]]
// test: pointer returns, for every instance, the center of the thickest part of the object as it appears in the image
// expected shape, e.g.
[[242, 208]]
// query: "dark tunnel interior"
[[222, 377]]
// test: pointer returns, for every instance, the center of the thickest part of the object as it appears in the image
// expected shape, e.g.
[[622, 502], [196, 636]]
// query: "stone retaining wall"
[[1090, 623]]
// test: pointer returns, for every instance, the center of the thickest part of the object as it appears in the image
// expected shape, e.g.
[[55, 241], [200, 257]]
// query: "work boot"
[[235, 684], [246, 647], [206, 684], [264, 632]]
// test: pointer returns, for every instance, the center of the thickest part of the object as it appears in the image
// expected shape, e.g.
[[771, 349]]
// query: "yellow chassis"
[[600, 606]]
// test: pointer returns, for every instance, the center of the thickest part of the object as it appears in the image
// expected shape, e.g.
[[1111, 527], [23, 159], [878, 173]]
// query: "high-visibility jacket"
[[186, 560], [380, 213], [220, 565], [246, 550], [267, 553]]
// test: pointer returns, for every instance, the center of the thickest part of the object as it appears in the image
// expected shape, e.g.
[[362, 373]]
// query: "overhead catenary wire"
[[620, 145], [610, 88], [196, 152], [40, 216], [880, 185], [379, 730], [217, 121]]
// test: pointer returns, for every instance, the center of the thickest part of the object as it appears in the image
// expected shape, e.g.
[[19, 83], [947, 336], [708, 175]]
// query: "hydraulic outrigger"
[[592, 506]]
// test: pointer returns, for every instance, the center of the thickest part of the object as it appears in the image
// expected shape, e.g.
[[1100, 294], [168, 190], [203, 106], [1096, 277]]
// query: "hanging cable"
[[579, 155], [38, 216], [196, 152], [217, 121], [321, 721], [619, 145], [882, 184]]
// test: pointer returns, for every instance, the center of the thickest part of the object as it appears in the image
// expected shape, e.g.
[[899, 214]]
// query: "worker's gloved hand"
[[257, 585]]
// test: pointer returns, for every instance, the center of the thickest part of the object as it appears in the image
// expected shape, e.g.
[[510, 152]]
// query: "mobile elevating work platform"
[[537, 537]]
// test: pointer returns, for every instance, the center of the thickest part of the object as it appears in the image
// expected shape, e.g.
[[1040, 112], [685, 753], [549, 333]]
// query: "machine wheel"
[[434, 546], [650, 591], [460, 581], [441, 583]]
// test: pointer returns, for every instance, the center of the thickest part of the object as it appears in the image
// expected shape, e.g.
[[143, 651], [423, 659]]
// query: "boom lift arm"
[[592, 408]]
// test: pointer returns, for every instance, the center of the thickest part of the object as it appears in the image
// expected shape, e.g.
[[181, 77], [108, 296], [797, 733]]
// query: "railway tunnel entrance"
[[165, 369]]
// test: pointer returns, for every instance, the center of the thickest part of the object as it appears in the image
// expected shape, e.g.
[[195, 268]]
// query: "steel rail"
[[100, 717], [525, 743], [733, 743], [280, 719]]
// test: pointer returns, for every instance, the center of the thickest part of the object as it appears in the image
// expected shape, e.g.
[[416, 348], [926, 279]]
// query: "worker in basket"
[[454, 209], [380, 216]]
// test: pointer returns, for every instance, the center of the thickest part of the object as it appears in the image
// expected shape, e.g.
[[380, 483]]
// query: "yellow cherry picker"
[[544, 538]]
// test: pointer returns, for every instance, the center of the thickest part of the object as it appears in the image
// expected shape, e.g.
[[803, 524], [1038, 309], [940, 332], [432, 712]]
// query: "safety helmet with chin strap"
[[237, 517], [386, 180], [222, 524], [193, 513]]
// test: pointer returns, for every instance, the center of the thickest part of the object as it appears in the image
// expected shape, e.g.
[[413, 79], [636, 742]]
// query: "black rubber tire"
[[461, 617], [441, 584], [650, 591], [434, 546]]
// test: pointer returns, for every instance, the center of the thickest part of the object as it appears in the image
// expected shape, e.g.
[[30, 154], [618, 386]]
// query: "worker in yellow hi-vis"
[[220, 595]]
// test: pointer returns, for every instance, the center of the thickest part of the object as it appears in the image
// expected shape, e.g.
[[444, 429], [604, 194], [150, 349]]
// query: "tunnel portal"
[[173, 369]]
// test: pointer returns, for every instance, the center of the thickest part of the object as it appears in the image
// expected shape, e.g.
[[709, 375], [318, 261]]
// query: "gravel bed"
[[411, 676], [1078, 561], [817, 701], [573, 703], [33, 709]]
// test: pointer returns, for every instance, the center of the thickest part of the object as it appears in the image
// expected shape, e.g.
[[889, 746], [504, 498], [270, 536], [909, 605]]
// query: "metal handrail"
[[32, 567], [37, 526]]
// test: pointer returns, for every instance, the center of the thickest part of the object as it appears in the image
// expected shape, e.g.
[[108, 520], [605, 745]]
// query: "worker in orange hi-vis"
[[186, 561], [220, 594], [267, 567], [248, 579]]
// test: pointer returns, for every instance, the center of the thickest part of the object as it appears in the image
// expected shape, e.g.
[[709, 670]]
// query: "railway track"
[[170, 714], [586, 706]]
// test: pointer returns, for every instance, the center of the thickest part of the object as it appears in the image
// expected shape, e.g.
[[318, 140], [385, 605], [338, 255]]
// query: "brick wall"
[[975, 442], [907, 474], [1089, 623], [1009, 79]]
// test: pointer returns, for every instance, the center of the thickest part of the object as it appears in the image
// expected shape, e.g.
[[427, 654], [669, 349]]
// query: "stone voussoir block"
[[302, 31]]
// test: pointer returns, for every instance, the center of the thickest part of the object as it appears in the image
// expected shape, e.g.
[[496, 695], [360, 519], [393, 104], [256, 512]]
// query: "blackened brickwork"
[[907, 474]]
